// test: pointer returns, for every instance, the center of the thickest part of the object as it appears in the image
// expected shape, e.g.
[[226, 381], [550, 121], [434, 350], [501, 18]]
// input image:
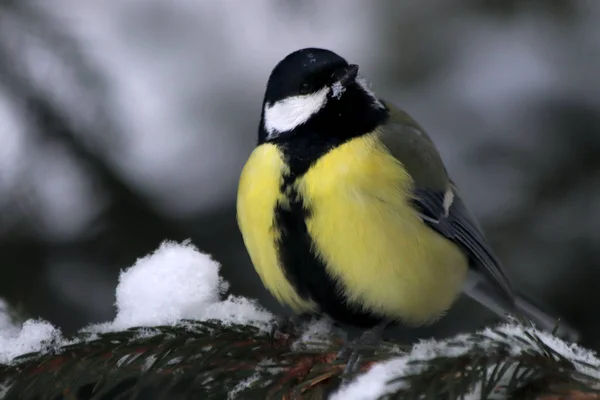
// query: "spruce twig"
[[206, 360]]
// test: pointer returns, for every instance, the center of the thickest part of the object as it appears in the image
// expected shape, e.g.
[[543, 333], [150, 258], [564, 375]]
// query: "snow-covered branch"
[[177, 332]]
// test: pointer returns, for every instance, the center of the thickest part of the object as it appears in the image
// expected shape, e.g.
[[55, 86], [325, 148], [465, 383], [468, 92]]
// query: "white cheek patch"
[[287, 114], [365, 87]]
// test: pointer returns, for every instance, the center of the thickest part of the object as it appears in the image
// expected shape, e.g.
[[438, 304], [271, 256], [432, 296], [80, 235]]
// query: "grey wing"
[[441, 208], [440, 205], [486, 282], [446, 213]]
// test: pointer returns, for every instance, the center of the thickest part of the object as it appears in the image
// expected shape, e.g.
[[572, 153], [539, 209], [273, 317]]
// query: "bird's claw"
[[286, 325], [353, 352]]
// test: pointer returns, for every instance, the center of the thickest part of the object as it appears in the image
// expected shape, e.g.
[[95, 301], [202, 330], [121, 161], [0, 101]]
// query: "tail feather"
[[521, 307], [544, 319]]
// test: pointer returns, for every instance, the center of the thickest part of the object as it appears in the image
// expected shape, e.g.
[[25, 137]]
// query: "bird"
[[347, 210]]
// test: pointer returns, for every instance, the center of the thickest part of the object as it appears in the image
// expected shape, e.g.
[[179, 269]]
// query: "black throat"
[[340, 121], [350, 116]]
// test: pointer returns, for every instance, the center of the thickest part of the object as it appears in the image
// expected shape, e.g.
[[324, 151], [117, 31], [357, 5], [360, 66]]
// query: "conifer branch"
[[207, 360]]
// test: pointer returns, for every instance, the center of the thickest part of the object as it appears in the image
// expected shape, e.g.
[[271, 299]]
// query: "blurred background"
[[124, 123]]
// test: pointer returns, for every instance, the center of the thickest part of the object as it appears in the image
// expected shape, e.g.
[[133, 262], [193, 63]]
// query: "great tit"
[[346, 208]]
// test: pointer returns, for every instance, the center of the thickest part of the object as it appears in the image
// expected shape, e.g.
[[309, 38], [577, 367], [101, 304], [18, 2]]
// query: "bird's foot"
[[355, 350], [286, 325]]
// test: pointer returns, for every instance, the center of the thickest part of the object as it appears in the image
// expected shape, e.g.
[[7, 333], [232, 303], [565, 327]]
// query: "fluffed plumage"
[[346, 207]]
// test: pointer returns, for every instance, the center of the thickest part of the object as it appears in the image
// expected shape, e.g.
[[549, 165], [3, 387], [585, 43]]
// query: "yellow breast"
[[258, 194], [372, 241]]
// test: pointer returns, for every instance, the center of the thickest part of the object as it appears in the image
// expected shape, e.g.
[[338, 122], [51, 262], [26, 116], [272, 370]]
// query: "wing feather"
[[456, 224], [437, 199]]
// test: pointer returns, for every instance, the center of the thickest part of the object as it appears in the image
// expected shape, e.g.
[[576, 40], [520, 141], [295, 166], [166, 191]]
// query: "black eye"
[[305, 88]]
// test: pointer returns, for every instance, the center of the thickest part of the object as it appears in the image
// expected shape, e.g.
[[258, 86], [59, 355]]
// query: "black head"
[[311, 85], [304, 72]]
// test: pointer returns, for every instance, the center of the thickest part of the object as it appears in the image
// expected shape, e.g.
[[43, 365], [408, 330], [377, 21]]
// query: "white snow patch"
[[178, 282], [265, 366], [149, 362], [337, 90], [238, 310], [376, 382], [33, 336], [175, 283], [571, 351], [314, 333], [243, 385]]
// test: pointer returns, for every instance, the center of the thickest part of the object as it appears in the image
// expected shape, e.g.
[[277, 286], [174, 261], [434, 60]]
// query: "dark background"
[[124, 123]]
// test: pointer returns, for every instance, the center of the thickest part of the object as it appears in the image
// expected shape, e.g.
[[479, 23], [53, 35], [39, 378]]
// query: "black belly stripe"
[[305, 270], [349, 117]]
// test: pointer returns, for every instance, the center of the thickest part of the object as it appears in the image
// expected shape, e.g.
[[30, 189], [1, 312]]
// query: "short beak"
[[346, 75]]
